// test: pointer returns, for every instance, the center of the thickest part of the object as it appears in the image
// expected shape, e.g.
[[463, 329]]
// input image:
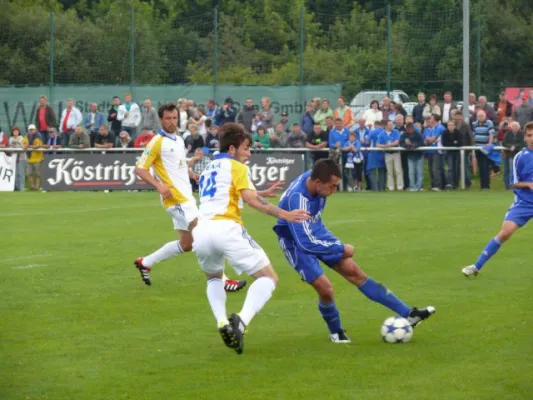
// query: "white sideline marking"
[[74, 210], [29, 266], [28, 257]]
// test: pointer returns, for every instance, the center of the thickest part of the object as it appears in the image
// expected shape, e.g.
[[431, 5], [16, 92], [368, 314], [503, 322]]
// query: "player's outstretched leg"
[[328, 310], [377, 292], [216, 295], [508, 228]]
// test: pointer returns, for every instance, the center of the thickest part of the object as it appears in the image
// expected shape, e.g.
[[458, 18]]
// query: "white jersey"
[[167, 155], [221, 184]]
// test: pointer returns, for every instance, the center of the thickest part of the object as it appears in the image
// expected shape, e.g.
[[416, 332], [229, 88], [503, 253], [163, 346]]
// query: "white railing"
[[462, 151]]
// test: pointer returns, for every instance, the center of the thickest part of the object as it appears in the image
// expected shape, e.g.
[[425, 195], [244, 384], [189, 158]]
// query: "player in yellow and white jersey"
[[220, 234], [166, 155]]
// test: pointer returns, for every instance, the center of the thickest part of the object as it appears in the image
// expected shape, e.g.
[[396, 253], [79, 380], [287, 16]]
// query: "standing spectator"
[[432, 108], [184, 116], [16, 142], [400, 127], [247, 115], [79, 139], [34, 158], [201, 120], [412, 140], [484, 136], [385, 107], [227, 113], [279, 136], [504, 108], [104, 139], [452, 138], [329, 124], [317, 140], [267, 114], [129, 114], [124, 140], [317, 101], [472, 103], [389, 138], [393, 112], [524, 112], [211, 110], [432, 137], [307, 120], [261, 139], [70, 118], [489, 111], [53, 141], [284, 121], [275, 141], [143, 139], [150, 119], [344, 113], [373, 114], [353, 167], [198, 164], [194, 140], [468, 140], [321, 115], [336, 139], [296, 139], [45, 118], [418, 110], [92, 122], [191, 107], [212, 140], [361, 130], [514, 142], [257, 122], [447, 108], [112, 115], [3, 139], [376, 159]]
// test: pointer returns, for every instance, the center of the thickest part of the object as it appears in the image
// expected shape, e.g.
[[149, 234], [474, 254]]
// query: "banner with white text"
[[8, 170]]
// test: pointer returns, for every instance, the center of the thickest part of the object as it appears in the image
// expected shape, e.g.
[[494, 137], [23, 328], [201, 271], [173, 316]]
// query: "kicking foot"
[[340, 337], [228, 336], [145, 271], [239, 330], [471, 270], [231, 285], [418, 315]]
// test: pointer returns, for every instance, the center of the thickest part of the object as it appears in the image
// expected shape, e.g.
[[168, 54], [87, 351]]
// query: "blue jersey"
[[310, 236], [523, 172]]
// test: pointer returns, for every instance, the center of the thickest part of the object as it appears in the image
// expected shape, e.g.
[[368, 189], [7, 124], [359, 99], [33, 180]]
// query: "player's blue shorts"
[[519, 213], [306, 264]]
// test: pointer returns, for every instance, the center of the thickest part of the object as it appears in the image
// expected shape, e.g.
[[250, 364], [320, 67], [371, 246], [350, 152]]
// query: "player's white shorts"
[[183, 214], [217, 240]]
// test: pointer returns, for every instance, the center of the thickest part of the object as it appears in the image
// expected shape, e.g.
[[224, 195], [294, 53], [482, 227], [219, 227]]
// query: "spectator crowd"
[[332, 130]]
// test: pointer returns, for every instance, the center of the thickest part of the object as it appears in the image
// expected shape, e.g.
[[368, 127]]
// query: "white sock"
[[169, 250], [217, 300], [224, 278], [259, 293]]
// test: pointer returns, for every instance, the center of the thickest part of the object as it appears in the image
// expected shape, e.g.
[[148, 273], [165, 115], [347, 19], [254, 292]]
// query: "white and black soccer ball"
[[396, 330]]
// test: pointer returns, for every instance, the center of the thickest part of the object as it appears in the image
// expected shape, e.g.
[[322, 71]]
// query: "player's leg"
[[310, 271], [515, 218], [377, 292]]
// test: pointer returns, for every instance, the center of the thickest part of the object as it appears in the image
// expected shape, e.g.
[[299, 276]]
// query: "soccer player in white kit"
[[220, 234], [166, 155]]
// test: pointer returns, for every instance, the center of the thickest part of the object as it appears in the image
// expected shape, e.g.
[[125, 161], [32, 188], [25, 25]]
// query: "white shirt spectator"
[[74, 119], [371, 116], [183, 121], [446, 112], [134, 116]]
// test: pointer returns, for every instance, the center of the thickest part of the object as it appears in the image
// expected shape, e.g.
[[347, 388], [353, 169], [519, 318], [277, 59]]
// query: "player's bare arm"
[[145, 175], [272, 191], [523, 185], [194, 176], [252, 198]]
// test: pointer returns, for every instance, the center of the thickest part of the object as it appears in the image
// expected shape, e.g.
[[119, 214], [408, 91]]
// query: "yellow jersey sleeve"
[[25, 141], [241, 177], [151, 153]]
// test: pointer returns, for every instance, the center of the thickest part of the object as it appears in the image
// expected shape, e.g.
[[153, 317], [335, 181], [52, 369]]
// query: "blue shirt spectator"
[[94, 119], [338, 135], [433, 133], [361, 131], [307, 120], [389, 136], [482, 131], [353, 156], [376, 159]]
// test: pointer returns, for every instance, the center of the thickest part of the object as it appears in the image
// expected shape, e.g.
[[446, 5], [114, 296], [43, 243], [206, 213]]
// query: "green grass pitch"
[[78, 323]]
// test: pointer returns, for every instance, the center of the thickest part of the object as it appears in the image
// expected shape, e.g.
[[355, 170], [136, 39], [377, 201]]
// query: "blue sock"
[[491, 249], [330, 313], [377, 292]]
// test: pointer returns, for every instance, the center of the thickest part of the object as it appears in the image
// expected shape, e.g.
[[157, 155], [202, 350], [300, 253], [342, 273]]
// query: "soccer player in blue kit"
[[307, 243], [521, 210]]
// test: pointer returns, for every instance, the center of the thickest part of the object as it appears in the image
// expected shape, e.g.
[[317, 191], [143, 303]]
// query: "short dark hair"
[[338, 119], [436, 117], [166, 107], [324, 169], [329, 117], [232, 135], [528, 127], [409, 125], [296, 124], [116, 97]]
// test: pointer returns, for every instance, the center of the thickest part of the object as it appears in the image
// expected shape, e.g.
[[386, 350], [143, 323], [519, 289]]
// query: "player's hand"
[[530, 185], [274, 189], [296, 216], [348, 251], [165, 191]]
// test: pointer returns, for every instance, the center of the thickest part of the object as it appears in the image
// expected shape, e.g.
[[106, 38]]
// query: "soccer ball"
[[396, 330]]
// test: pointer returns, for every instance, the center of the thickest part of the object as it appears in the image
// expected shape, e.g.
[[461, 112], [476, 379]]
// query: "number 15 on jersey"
[[208, 185]]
